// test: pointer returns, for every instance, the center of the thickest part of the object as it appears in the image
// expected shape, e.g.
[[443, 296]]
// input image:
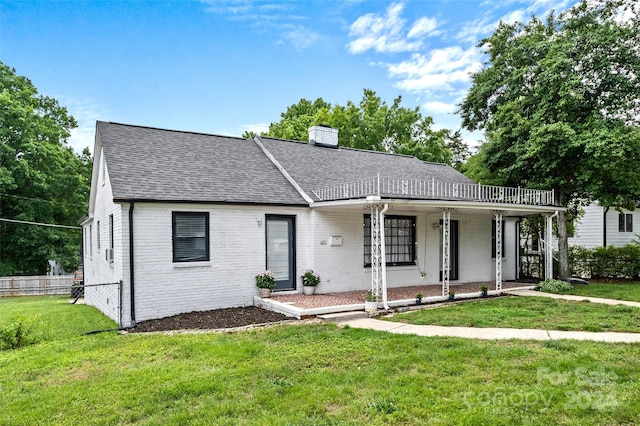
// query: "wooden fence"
[[35, 285]]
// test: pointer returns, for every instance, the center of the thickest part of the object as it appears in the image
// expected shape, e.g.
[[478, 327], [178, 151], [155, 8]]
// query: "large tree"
[[559, 101], [371, 124], [41, 179]]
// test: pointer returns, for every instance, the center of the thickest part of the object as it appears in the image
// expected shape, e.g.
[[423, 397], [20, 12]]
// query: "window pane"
[[399, 240], [278, 248]]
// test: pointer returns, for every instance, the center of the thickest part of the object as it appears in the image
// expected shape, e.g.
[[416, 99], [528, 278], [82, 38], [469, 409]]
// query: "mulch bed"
[[210, 320]]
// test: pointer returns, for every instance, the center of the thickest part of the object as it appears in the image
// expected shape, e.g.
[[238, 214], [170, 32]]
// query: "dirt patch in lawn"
[[211, 320]]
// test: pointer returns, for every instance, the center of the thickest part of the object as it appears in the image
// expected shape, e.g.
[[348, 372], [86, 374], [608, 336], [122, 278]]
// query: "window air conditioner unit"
[[109, 255]]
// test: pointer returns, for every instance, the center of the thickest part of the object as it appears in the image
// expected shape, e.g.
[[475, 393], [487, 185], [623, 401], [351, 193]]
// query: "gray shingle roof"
[[313, 167], [165, 165]]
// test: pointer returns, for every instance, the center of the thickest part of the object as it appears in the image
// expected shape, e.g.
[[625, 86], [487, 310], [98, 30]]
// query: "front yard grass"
[[618, 291], [529, 312], [53, 317], [316, 375]]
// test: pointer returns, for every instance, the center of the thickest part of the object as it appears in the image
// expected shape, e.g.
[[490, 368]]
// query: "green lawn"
[[53, 317], [621, 291], [529, 312], [316, 375]]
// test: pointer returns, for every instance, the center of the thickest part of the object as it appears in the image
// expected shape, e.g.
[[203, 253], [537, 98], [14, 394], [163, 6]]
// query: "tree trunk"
[[563, 246]]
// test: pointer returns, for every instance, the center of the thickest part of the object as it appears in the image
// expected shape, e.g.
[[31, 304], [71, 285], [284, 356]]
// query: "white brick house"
[[186, 220]]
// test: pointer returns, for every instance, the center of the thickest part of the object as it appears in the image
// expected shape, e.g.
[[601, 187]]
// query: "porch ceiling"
[[466, 208]]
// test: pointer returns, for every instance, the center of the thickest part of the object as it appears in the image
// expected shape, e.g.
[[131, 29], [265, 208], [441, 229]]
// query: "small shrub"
[[554, 286], [17, 333], [383, 407]]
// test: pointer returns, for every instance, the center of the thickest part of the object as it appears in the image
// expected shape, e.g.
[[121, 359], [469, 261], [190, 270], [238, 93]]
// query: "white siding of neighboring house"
[[97, 270], [589, 231]]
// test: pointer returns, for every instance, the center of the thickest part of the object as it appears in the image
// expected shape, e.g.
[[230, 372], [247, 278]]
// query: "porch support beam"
[[376, 250], [446, 249], [498, 218], [548, 246]]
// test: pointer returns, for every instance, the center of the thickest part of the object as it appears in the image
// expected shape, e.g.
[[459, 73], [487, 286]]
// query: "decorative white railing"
[[433, 189]]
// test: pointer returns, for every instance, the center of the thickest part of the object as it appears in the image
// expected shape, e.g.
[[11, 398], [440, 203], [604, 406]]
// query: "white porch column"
[[548, 247], [498, 218], [376, 250], [446, 250]]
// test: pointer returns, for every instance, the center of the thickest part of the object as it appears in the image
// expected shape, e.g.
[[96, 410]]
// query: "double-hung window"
[[400, 240], [190, 236], [625, 222]]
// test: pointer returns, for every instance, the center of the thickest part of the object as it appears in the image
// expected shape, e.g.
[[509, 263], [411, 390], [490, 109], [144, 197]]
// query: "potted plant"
[[419, 299], [484, 289], [310, 281], [452, 295], [265, 282], [371, 302]]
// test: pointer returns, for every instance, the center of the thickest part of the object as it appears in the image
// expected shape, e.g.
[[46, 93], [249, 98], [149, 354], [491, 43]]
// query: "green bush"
[[606, 262], [18, 333], [554, 286]]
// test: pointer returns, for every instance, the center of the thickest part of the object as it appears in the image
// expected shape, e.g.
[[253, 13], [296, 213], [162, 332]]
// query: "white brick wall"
[[237, 251], [342, 267], [97, 270]]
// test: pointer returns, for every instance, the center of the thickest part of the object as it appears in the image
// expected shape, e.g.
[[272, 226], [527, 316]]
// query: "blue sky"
[[228, 66]]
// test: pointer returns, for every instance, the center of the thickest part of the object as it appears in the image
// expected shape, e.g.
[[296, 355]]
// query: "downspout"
[[383, 249], [131, 264], [604, 227]]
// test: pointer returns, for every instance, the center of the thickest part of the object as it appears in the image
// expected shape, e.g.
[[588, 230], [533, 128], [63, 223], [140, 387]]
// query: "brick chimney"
[[324, 136]]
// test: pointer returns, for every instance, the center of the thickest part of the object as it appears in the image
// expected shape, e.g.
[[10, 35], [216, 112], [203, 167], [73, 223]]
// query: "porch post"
[[446, 249], [548, 247], [498, 219], [376, 250]]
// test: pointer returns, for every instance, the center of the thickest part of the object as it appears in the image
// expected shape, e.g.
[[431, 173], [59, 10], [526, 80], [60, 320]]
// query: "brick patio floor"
[[398, 293]]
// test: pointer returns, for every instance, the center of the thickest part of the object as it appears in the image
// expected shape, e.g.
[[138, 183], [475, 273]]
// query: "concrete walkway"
[[571, 297], [501, 333]]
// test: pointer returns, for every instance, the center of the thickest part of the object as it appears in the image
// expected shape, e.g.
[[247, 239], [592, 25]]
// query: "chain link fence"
[[106, 297]]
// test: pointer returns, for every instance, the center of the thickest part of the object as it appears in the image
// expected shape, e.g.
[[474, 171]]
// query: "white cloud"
[[299, 36], [424, 27], [386, 34], [86, 114], [267, 17], [437, 107], [438, 70], [257, 128]]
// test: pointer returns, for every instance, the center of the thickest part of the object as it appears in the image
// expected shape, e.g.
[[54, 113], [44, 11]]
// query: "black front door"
[[281, 250]]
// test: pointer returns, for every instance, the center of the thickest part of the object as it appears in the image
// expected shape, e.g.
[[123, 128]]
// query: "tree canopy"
[[41, 179], [371, 124], [559, 101]]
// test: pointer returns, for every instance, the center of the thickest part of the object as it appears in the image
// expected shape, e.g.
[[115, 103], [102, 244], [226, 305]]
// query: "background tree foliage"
[[372, 124], [41, 179], [560, 105]]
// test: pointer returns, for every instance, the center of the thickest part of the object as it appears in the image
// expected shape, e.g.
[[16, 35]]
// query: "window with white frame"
[[400, 240], [625, 222], [190, 236]]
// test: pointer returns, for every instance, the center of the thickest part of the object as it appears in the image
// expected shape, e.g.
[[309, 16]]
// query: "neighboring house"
[[600, 226], [186, 220]]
